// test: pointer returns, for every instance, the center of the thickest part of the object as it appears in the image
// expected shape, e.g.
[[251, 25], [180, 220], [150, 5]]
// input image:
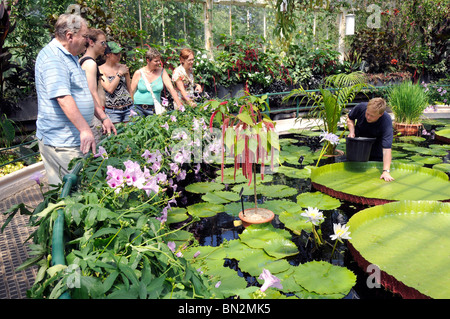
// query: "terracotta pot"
[[407, 129], [256, 216]]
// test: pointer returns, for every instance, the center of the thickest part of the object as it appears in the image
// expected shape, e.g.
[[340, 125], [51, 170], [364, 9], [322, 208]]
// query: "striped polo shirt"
[[57, 74]]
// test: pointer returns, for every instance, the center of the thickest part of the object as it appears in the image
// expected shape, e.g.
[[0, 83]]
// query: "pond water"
[[213, 231]]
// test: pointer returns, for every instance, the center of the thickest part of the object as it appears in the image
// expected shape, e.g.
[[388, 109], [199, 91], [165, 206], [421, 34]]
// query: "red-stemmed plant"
[[249, 137]]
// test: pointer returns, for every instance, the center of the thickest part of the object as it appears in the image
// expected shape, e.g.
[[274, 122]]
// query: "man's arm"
[[387, 158], [351, 127], [72, 112]]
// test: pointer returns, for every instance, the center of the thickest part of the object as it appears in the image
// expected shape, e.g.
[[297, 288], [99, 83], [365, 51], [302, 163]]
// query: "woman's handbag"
[[159, 109]]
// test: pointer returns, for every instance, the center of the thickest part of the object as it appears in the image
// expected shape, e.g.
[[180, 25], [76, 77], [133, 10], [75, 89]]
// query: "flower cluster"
[[437, 94], [134, 176]]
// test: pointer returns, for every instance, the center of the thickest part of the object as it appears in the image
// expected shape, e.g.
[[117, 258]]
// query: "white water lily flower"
[[340, 232], [314, 215]]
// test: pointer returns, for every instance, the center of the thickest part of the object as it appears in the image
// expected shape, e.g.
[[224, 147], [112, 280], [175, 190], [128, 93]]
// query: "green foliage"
[[7, 131], [339, 90]]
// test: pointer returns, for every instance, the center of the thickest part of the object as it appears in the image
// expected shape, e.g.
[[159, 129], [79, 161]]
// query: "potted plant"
[[249, 138], [407, 101]]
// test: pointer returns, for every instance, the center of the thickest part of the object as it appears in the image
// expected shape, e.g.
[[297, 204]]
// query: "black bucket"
[[358, 148]]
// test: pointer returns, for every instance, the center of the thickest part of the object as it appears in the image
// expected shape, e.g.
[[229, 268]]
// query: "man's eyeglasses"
[[103, 43]]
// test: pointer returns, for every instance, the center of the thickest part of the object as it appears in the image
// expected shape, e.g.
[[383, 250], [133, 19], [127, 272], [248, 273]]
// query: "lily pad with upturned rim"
[[445, 167], [443, 135], [409, 241], [361, 183]]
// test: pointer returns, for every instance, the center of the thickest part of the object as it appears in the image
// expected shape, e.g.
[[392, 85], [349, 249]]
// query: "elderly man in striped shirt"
[[65, 103]]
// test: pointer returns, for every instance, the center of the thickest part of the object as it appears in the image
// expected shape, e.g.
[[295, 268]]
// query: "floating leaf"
[[318, 200], [445, 167], [415, 139], [248, 190], [276, 242], [205, 209], [293, 172], [220, 197], [443, 135], [409, 241], [233, 209], [277, 191], [292, 219], [430, 160], [204, 187], [324, 278], [278, 206], [176, 215], [360, 182], [236, 249], [257, 260]]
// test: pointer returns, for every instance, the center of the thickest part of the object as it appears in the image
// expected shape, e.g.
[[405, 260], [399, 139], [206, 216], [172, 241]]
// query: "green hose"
[[58, 258]]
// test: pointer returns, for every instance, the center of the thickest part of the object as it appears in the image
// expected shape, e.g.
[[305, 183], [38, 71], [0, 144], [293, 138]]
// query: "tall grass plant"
[[408, 101]]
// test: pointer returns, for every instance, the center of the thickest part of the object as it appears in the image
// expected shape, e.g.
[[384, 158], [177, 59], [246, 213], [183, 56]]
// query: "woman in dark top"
[[370, 119], [116, 83]]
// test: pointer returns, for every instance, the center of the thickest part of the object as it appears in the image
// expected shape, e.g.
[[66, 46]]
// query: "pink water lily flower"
[[269, 280]]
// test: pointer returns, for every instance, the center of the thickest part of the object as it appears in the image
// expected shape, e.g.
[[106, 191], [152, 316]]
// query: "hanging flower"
[[269, 280], [340, 232], [394, 61]]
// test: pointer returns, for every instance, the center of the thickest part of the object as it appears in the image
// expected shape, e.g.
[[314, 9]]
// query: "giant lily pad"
[[407, 240], [445, 167], [361, 183], [443, 135]]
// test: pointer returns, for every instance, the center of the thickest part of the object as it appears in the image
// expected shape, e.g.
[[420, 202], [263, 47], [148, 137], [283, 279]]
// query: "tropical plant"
[[249, 137], [408, 101], [339, 91]]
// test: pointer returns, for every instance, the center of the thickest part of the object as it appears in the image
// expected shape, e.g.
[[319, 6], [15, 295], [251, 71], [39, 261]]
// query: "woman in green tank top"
[[158, 78]]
